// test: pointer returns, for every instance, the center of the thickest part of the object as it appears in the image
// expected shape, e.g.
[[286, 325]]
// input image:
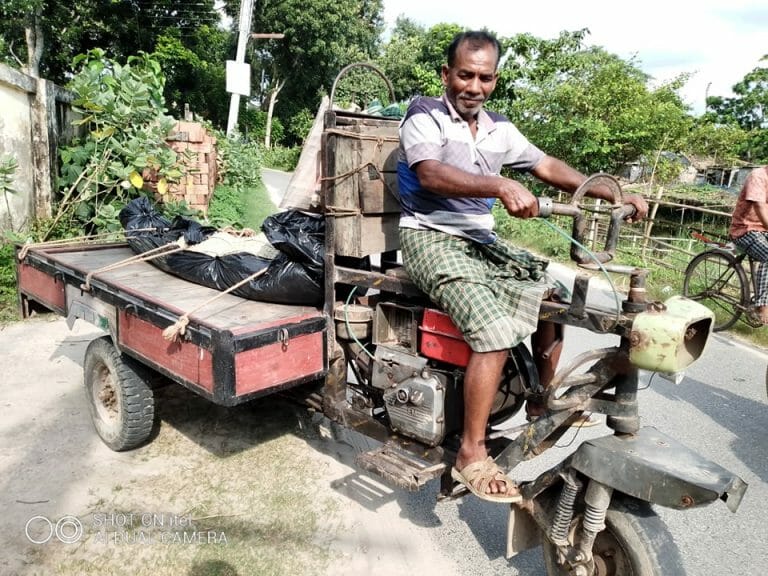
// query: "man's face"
[[472, 78]]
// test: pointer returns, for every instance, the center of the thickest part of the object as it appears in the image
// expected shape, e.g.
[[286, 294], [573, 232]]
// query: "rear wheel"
[[717, 281], [635, 542], [121, 402]]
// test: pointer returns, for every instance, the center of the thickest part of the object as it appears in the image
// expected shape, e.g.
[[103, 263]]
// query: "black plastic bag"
[[301, 236], [140, 214], [294, 276]]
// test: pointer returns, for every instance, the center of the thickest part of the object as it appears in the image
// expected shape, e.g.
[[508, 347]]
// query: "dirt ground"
[[254, 489]]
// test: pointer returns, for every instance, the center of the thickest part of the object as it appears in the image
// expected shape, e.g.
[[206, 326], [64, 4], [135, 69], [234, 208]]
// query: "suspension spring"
[[597, 500], [594, 519], [564, 513]]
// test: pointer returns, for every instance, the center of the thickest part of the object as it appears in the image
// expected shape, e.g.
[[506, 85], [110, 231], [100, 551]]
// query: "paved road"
[[275, 182]]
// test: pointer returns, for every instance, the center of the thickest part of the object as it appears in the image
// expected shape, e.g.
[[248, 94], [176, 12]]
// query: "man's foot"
[[762, 312], [479, 476], [758, 316]]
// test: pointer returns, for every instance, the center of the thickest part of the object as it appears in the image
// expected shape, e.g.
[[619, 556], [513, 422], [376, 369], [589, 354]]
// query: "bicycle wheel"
[[718, 281]]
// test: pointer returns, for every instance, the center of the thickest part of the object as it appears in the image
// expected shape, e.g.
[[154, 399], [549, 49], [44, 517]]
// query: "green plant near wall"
[[8, 167], [123, 110]]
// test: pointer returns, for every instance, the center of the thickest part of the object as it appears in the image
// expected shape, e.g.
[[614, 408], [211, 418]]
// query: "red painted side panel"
[[42, 287], [190, 362], [278, 363]]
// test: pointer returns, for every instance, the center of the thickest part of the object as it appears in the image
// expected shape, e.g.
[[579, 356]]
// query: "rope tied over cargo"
[[165, 249], [179, 328], [74, 241]]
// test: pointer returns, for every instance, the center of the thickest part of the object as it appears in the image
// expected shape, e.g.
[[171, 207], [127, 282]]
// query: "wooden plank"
[[343, 192], [377, 196], [41, 287], [182, 359], [355, 155], [360, 235], [148, 283]]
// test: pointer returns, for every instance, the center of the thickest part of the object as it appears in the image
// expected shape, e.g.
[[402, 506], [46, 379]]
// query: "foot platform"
[[399, 468]]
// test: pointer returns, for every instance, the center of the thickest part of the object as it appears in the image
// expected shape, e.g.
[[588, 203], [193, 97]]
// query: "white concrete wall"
[[16, 140], [35, 118]]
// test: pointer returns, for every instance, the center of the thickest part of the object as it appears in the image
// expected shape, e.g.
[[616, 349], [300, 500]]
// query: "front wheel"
[[635, 542], [716, 280]]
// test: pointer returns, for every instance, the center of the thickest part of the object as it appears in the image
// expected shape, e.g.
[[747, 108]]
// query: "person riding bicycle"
[[451, 155], [749, 231]]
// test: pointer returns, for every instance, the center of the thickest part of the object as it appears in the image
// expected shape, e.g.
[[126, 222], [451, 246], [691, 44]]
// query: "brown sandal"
[[477, 477]]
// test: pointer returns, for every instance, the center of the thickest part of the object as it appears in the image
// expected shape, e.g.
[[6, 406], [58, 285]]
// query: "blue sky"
[[717, 42]]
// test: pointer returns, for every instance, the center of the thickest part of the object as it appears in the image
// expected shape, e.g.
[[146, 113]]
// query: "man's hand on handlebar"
[[641, 207], [518, 200], [635, 200]]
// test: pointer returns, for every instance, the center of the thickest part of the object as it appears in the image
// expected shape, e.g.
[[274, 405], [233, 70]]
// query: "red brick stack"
[[195, 187]]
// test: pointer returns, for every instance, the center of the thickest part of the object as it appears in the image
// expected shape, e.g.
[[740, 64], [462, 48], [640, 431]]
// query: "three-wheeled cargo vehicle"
[[385, 361]]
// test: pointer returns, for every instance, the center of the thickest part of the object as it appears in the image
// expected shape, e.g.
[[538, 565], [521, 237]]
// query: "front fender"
[[651, 466]]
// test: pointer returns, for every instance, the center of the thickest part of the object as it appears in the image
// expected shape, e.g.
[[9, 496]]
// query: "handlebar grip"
[[546, 206]]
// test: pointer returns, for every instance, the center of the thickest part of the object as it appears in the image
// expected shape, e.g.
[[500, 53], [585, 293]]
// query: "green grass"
[[244, 207]]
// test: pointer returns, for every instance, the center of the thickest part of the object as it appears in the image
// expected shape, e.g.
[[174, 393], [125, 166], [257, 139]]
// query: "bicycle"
[[718, 279]]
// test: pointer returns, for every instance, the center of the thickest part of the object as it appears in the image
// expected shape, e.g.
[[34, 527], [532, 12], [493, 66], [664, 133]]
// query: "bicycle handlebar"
[[619, 212]]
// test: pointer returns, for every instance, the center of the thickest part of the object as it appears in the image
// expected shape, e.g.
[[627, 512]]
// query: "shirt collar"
[[483, 118]]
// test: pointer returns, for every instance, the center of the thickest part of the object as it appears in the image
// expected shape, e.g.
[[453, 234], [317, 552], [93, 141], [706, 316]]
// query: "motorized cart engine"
[[414, 395]]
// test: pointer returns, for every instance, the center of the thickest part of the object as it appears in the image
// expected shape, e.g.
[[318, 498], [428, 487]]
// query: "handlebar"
[[574, 209]]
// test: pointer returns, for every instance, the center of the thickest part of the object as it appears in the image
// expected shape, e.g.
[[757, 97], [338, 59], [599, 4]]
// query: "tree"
[[413, 58], [585, 105], [43, 38], [749, 110], [194, 70], [720, 142], [320, 39]]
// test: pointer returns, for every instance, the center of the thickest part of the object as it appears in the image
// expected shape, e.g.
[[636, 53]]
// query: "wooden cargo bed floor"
[[168, 292]]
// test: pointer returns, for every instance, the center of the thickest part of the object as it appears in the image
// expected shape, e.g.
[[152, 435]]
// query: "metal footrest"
[[399, 468]]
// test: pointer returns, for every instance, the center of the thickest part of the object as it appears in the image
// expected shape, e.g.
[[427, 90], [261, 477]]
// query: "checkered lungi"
[[492, 292], [755, 243]]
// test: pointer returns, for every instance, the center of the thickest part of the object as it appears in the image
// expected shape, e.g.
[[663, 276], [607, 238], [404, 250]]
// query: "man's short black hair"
[[477, 40]]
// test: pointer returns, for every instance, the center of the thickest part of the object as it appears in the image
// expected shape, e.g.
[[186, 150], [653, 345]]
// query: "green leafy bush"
[[123, 111], [227, 207], [281, 158], [7, 282], [8, 167], [239, 161]]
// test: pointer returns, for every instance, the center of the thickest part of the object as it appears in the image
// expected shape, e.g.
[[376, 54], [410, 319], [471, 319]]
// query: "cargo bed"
[[233, 349]]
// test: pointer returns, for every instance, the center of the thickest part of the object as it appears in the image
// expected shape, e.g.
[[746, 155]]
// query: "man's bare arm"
[[557, 173], [448, 180]]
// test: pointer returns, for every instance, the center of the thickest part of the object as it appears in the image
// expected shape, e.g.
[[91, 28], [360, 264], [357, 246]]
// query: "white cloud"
[[717, 42]]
